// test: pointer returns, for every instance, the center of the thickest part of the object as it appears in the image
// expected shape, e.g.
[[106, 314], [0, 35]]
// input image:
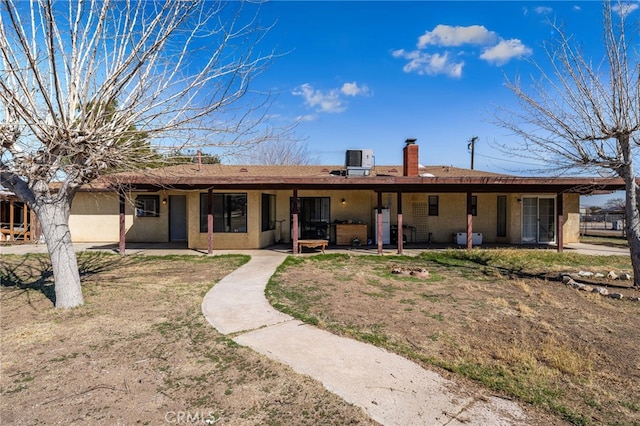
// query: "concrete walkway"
[[391, 389]]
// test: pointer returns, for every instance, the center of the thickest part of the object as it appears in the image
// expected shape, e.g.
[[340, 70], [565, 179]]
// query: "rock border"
[[569, 279]]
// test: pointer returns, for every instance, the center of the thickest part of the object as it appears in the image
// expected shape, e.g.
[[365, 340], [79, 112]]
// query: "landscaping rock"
[[612, 275], [601, 290], [420, 273], [615, 296], [598, 275], [585, 274], [625, 277]]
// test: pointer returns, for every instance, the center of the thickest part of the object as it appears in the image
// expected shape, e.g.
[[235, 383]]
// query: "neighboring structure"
[[18, 224], [241, 207]]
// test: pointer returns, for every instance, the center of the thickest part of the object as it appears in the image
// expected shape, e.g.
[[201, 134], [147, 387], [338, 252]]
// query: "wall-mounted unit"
[[359, 162]]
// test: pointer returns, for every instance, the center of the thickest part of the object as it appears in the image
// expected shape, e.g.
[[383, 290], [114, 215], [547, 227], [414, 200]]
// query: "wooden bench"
[[312, 244]]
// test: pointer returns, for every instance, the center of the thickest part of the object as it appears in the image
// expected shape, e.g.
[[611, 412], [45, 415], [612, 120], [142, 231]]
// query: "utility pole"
[[471, 147]]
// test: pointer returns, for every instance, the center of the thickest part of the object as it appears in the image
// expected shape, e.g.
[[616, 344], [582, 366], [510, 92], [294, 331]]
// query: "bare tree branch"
[[580, 116], [92, 87], [279, 152]]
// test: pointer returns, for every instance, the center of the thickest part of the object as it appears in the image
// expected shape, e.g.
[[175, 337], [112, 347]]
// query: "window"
[[229, 212], [433, 205], [147, 206], [268, 212], [502, 216], [474, 205]]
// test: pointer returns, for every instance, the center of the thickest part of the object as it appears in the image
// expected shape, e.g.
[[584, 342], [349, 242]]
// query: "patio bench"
[[312, 244]]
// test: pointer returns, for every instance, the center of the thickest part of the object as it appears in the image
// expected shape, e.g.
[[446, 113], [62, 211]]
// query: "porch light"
[[344, 201], [164, 201]]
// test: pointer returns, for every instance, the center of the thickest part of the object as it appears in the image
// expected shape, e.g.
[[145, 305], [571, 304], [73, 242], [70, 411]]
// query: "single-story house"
[[215, 206]]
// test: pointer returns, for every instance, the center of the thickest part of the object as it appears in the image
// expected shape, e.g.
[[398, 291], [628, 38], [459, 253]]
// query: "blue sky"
[[369, 74]]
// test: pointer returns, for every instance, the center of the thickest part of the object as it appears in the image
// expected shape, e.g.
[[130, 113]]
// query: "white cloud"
[[307, 117], [352, 89], [446, 35], [430, 64], [328, 101], [623, 9], [496, 50], [504, 51], [543, 10]]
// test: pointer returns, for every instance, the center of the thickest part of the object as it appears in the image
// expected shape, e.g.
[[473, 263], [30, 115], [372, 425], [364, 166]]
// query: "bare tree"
[[584, 117], [280, 152], [615, 204], [81, 81]]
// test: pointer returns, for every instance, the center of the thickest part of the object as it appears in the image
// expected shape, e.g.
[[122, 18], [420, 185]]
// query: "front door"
[[177, 218], [538, 220]]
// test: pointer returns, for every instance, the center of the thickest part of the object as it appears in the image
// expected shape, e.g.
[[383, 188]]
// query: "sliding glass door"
[[313, 217], [538, 220]]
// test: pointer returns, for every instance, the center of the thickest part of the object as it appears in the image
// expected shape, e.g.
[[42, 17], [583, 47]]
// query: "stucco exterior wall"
[[95, 217], [571, 204], [147, 229], [514, 219]]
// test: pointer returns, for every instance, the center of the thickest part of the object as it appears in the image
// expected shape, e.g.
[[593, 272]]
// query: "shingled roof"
[[218, 170], [317, 177]]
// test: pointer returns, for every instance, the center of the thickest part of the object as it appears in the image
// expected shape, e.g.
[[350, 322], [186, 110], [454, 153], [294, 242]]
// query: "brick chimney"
[[410, 158]]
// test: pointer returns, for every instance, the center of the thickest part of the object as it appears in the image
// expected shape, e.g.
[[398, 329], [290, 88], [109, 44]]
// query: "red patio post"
[[400, 234], [294, 224], [210, 221], [379, 223], [469, 221], [121, 238], [560, 226]]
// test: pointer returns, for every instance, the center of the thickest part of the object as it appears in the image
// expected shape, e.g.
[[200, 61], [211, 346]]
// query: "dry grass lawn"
[[492, 318], [140, 351]]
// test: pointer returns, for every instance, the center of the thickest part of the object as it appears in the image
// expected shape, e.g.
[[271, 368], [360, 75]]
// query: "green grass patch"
[[618, 242]]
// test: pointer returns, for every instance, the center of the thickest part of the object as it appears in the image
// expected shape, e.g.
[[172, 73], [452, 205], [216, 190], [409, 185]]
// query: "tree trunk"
[[633, 229], [632, 209], [54, 222]]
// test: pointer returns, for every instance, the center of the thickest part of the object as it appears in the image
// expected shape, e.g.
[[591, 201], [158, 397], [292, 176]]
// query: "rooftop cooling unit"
[[359, 158]]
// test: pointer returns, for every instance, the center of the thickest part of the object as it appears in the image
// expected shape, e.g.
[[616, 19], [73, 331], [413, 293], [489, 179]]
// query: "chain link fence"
[[605, 224]]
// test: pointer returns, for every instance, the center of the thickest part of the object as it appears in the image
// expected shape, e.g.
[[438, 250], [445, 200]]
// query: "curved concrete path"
[[390, 388]]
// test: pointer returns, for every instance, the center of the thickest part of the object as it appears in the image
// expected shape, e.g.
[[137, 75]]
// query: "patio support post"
[[122, 223], [25, 227], [379, 224], [469, 222], [210, 221], [400, 234], [12, 220], [559, 220], [294, 224]]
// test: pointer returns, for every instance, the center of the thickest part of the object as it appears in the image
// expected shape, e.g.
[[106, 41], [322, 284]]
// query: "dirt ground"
[[569, 355], [140, 352]]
